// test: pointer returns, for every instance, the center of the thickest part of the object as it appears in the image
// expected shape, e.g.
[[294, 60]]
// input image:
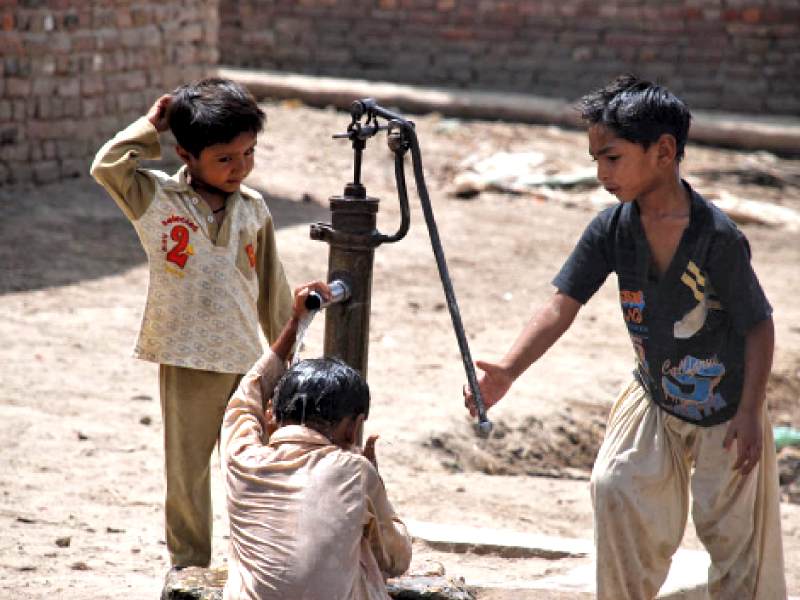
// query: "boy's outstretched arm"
[[747, 425], [541, 332]]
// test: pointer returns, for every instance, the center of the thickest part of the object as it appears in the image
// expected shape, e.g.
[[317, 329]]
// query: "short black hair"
[[638, 111], [212, 111], [320, 392]]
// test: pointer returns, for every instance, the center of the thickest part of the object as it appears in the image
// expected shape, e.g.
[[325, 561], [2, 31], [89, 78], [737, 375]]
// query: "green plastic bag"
[[785, 436]]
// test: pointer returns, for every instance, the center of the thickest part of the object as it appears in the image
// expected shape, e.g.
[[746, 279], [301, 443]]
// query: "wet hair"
[[212, 111], [638, 111], [320, 392]]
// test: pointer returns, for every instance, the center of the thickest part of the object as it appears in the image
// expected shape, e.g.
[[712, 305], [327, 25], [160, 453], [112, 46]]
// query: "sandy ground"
[[81, 477]]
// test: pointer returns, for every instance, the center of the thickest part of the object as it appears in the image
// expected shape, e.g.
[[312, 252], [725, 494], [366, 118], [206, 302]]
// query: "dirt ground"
[[81, 478]]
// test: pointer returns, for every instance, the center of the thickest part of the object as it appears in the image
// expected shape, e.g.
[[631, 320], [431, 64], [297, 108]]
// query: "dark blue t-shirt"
[[688, 327]]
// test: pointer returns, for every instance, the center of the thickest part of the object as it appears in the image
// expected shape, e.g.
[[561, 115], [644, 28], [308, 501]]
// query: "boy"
[[703, 337], [309, 515], [215, 276]]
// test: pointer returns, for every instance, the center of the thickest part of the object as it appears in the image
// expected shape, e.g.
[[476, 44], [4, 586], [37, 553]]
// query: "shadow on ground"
[[61, 234]]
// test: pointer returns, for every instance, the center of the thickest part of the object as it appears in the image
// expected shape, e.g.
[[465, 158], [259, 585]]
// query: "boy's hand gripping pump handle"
[[370, 107]]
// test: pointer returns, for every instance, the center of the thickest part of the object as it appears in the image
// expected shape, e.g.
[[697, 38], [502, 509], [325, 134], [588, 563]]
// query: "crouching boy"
[[309, 515]]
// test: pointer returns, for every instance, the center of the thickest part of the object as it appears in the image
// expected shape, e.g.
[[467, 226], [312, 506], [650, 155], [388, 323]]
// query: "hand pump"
[[352, 237]]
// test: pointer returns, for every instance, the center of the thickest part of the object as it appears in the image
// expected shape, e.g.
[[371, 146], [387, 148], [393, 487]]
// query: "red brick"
[[751, 15]]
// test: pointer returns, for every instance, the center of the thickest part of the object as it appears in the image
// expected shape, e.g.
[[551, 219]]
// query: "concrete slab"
[[686, 580], [509, 544], [755, 132]]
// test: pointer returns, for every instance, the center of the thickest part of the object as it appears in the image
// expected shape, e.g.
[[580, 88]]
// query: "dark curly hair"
[[638, 111]]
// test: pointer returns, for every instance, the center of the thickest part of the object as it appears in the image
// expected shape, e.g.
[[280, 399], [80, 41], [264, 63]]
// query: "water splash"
[[302, 328]]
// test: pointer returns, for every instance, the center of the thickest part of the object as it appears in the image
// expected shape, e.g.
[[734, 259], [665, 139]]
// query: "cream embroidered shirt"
[[210, 286], [308, 520]]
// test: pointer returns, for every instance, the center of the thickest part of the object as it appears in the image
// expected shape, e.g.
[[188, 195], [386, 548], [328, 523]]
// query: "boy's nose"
[[240, 165]]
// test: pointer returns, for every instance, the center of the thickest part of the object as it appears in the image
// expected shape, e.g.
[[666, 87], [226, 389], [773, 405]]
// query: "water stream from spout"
[[302, 328]]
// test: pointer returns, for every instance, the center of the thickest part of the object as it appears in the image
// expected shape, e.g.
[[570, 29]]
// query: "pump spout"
[[340, 292]]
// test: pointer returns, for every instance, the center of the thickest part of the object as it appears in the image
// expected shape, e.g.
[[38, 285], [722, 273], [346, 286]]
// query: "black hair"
[[212, 111], [320, 392], [638, 111]]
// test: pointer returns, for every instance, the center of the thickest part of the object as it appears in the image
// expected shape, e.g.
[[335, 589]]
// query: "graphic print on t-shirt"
[[703, 292], [176, 243], [691, 385], [633, 310]]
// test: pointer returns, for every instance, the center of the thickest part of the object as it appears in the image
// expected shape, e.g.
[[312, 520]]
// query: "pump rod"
[[370, 107]]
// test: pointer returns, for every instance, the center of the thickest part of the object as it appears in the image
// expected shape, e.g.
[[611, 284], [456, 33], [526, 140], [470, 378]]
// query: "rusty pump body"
[[353, 237]]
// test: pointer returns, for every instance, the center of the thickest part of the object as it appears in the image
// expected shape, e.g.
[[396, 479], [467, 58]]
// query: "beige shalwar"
[[641, 482], [308, 520]]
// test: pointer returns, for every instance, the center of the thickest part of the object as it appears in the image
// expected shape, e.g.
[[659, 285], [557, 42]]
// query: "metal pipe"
[[340, 292]]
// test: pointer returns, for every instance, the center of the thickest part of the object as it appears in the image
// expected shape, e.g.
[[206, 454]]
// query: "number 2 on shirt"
[[178, 254]]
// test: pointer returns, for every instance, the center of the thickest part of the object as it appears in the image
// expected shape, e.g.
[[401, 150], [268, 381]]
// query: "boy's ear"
[[353, 427], [182, 153], [667, 149]]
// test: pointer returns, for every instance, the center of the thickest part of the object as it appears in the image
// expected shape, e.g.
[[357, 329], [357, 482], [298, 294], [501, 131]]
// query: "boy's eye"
[[224, 159], [250, 151]]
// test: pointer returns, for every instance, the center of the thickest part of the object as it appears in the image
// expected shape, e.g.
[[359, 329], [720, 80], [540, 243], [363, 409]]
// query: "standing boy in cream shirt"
[[215, 279]]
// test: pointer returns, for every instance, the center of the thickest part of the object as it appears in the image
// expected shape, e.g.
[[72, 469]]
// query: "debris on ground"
[[425, 582], [515, 173], [745, 212], [532, 173]]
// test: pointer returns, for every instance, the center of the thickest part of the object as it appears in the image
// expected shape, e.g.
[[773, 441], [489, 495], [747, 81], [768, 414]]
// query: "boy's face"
[[221, 168], [625, 169]]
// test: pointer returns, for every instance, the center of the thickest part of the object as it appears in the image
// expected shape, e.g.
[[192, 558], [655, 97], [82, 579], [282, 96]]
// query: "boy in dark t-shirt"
[[703, 337]]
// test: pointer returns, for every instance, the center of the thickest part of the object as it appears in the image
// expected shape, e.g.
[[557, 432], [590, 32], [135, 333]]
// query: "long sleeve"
[[274, 293], [244, 422], [116, 167], [386, 534]]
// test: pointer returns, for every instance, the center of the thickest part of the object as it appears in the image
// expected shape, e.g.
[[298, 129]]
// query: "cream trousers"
[[648, 465], [192, 406]]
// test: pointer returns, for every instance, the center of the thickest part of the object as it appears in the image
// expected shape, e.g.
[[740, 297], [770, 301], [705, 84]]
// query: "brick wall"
[[73, 72], [734, 55]]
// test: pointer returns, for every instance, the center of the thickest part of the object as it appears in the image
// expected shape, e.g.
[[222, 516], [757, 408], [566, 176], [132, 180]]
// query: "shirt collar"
[[631, 209], [298, 434], [180, 183]]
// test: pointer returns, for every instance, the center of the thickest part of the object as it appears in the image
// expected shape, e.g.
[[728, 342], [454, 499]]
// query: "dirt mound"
[[563, 447], [784, 396]]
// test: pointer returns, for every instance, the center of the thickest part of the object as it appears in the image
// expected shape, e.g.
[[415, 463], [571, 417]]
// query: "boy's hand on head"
[[494, 383], [157, 114], [747, 428]]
